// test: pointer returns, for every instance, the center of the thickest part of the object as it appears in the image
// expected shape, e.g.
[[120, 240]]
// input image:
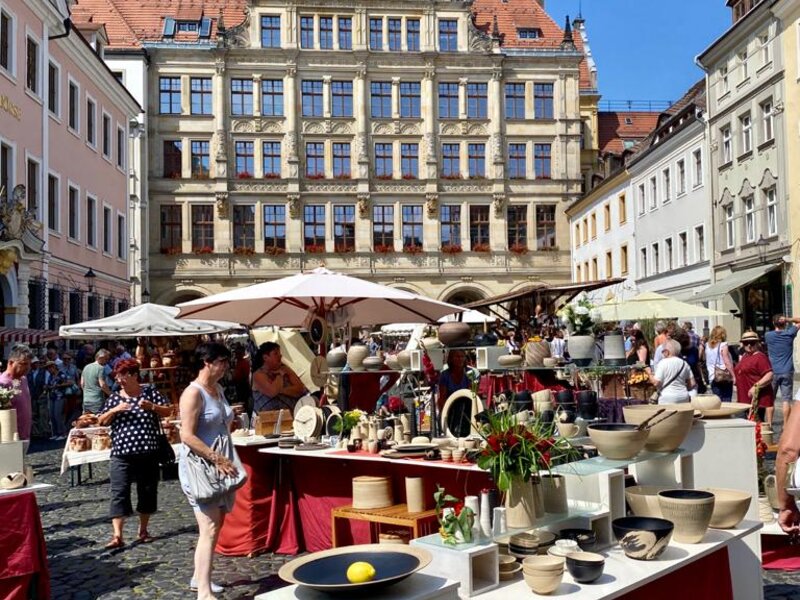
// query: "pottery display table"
[[419, 586], [391, 515]]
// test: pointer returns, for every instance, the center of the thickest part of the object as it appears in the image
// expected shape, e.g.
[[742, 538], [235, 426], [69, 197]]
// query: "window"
[[541, 161], [75, 307], [607, 217], [270, 31], [410, 105], [169, 95], [107, 233], [643, 262], [545, 226], [203, 228], [91, 222], [312, 98], [171, 229], [767, 127], [477, 160], [656, 263], [108, 307], [450, 225], [623, 260], [747, 133], [341, 98], [93, 306], [376, 34], [344, 228], [448, 100], [274, 226], [697, 158], [172, 159], [91, 122], [395, 35], [667, 183], [744, 72], [200, 95], [32, 66], [72, 110], [594, 269], [622, 208], [640, 199], [700, 242], [52, 202], [542, 100], [120, 147], [53, 89], [409, 161], [730, 228], [771, 198], [241, 97], [766, 54], [683, 250], [326, 33], [306, 32], [749, 219], [577, 235], [6, 171], [345, 33], [681, 177], [6, 42], [451, 160], [381, 99], [412, 225], [106, 136], [448, 35], [529, 33], [33, 186], [653, 193], [201, 165], [315, 159], [244, 159], [609, 265], [244, 227], [272, 159], [516, 161], [725, 86], [727, 150], [272, 97], [188, 26], [412, 35], [477, 105], [515, 101], [479, 227], [383, 161], [73, 219], [593, 226], [517, 227], [314, 228], [341, 161], [668, 253], [578, 273], [383, 228]]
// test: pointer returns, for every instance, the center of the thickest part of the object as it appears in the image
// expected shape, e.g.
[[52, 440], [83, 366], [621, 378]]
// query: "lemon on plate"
[[360, 572]]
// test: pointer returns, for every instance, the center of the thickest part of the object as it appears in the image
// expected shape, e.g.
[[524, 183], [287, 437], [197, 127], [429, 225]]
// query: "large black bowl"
[[585, 567], [642, 538], [327, 570]]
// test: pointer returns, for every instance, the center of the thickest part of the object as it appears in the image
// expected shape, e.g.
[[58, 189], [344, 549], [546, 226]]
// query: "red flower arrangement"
[[170, 250], [342, 176], [315, 176], [452, 176], [409, 176], [315, 248], [244, 175], [203, 250], [343, 248], [412, 249], [244, 251], [274, 250], [481, 247], [452, 249], [384, 177], [272, 175], [519, 248], [384, 248]]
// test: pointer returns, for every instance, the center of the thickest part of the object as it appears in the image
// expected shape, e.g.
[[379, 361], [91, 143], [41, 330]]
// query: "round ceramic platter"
[[728, 409], [326, 571], [395, 454], [506, 575], [310, 447], [406, 448]]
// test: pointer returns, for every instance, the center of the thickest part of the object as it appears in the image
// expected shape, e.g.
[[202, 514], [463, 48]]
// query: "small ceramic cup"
[[458, 456], [447, 454]]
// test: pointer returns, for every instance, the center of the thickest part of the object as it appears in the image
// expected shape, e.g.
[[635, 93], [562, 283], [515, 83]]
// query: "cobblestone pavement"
[[76, 527]]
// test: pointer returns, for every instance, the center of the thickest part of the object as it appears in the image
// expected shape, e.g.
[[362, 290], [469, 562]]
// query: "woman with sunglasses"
[[754, 375]]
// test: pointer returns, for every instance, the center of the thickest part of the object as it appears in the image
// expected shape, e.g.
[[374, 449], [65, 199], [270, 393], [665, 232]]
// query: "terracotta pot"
[[535, 353], [520, 506], [581, 349], [690, 511], [454, 334], [356, 355]]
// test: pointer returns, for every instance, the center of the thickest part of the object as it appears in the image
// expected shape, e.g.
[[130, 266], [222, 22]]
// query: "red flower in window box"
[[409, 176], [384, 248], [383, 177], [412, 249], [481, 247], [343, 248], [315, 248], [272, 175], [274, 250], [452, 176], [316, 176], [244, 251], [342, 176], [452, 249], [477, 176], [203, 250], [170, 250], [201, 175], [519, 248], [244, 175], [175, 175]]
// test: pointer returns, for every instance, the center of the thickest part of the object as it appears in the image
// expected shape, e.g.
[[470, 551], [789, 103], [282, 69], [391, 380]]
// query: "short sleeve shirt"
[[780, 346], [135, 431]]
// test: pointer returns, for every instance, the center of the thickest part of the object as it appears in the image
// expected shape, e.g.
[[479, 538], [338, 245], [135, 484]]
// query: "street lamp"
[[762, 245], [90, 277]]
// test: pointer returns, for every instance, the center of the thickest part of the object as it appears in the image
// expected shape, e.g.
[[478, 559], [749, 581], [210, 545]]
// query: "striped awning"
[[11, 335]]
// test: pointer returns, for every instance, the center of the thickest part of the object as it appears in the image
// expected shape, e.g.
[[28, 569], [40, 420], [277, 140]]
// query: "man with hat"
[[754, 377], [780, 348]]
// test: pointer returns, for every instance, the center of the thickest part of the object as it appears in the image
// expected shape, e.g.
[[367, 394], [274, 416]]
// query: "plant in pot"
[[580, 323], [348, 421], [455, 519], [8, 414]]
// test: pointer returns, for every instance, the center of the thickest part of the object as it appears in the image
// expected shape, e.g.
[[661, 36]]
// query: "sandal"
[[116, 542], [145, 537]]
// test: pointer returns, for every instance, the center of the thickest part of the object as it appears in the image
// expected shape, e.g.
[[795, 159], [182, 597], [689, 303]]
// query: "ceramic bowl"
[[372, 363], [336, 359], [618, 441], [447, 455], [642, 538], [585, 567], [643, 500], [543, 563], [550, 362], [506, 562], [393, 363], [730, 507], [543, 574], [563, 548], [706, 401], [542, 401], [404, 358], [510, 360], [689, 510], [668, 434], [586, 538]]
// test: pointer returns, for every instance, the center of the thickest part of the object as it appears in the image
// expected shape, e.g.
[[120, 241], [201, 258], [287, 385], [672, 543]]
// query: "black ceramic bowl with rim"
[[585, 567], [642, 538], [586, 538]]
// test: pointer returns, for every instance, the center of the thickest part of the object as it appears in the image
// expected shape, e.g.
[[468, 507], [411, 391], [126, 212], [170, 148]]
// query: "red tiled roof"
[[614, 130]]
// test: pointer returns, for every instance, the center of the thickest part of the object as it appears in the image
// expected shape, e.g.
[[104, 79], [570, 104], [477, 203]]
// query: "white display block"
[[419, 586], [475, 567], [11, 458], [486, 357]]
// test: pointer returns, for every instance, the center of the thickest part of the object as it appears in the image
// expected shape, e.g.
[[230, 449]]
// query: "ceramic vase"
[[536, 352], [554, 490], [405, 422], [520, 504], [581, 349], [336, 359], [765, 514], [454, 334], [372, 446], [415, 494], [8, 424], [486, 514], [538, 496], [613, 349], [771, 490], [473, 502], [373, 429], [356, 355], [499, 522]]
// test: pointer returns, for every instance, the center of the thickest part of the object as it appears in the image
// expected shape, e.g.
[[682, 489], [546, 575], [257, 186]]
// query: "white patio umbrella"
[[649, 305], [470, 316], [340, 299], [143, 320]]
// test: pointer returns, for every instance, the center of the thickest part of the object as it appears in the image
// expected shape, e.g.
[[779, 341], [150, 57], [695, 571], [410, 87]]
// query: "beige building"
[[432, 146]]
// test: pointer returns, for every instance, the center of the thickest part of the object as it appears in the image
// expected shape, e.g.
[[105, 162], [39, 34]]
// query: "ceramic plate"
[[405, 448], [728, 409], [395, 454], [326, 571]]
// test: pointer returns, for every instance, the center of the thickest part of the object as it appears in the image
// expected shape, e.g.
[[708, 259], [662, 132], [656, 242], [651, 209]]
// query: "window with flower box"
[[201, 163], [479, 228], [383, 228], [272, 97], [516, 161], [412, 225], [341, 161], [517, 227], [451, 159], [315, 159], [314, 228], [241, 97], [541, 161], [244, 228], [344, 228], [245, 159], [274, 228], [450, 226], [477, 160], [202, 228], [409, 161], [172, 159], [272, 159]]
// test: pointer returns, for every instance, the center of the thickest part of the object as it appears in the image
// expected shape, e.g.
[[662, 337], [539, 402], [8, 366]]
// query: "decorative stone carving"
[[330, 187], [223, 204], [409, 129], [291, 145], [499, 203], [361, 70], [294, 205], [361, 147], [432, 204], [256, 186], [478, 41], [244, 126], [429, 142], [341, 128], [496, 142], [313, 127], [239, 36], [291, 70], [449, 128], [465, 186], [221, 154], [497, 73], [475, 129], [382, 128], [778, 108], [430, 70], [363, 205], [399, 187], [219, 66]]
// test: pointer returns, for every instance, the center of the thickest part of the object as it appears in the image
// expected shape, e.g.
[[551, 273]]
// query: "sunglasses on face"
[[748, 343]]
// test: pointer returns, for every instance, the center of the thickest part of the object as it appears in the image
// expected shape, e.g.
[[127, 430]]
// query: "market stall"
[[23, 555]]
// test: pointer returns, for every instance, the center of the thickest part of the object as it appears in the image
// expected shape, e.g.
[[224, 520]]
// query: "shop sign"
[[8, 106]]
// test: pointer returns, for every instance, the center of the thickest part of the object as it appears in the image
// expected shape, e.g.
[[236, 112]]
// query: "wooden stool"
[[391, 515]]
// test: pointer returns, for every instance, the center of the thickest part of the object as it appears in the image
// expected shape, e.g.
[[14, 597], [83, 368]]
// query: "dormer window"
[[190, 26], [201, 27], [628, 121], [529, 33]]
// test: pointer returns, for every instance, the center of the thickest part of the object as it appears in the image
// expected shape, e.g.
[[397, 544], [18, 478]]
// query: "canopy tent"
[[294, 349], [473, 317], [649, 305], [14, 335], [338, 298], [732, 282], [143, 320]]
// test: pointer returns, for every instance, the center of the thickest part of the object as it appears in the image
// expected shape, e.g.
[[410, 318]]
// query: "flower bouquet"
[[348, 421], [8, 393], [456, 521], [578, 316]]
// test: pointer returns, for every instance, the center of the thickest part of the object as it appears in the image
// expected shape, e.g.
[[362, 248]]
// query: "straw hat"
[[750, 336]]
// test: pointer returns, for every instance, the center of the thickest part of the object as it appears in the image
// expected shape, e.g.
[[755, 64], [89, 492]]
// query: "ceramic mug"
[[447, 454], [458, 456]]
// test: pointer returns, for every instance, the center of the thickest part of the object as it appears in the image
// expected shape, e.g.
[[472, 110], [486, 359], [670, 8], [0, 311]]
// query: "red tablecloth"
[[23, 554]]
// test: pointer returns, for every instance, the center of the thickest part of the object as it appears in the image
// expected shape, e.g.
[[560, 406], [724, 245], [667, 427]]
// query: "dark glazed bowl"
[[642, 538], [586, 538], [585, 567]]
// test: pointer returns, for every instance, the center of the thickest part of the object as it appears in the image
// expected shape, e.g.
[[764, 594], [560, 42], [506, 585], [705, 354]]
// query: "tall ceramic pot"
[[536, 352], [581, 349], [8, 424], [587, 404], [356, 355], [454, 334], [520, 504]]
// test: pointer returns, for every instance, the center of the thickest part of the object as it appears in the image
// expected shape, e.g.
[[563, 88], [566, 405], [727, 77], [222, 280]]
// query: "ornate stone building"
[[432, 146]]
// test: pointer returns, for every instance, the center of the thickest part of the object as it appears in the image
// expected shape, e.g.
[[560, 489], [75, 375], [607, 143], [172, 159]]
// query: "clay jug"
[[356, 355]]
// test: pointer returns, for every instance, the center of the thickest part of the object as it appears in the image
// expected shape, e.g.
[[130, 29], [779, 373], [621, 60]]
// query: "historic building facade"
[[433, 147]]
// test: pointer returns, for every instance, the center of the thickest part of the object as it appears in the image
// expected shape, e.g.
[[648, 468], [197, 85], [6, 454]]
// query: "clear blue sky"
[[645, 49]]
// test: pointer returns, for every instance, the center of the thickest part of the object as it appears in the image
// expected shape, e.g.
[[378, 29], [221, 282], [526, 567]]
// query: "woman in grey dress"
[[205, 414]]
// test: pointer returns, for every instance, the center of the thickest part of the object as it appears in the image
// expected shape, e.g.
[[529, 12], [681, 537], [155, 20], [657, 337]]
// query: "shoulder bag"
[[657, 394], [206, 483], [721, 375]]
